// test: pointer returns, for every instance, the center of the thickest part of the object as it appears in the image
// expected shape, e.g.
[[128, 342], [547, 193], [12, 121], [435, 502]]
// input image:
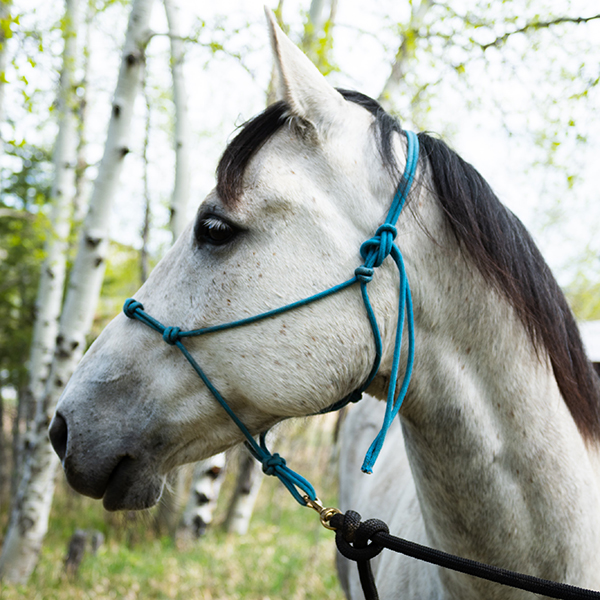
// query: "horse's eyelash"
[[214, 222]]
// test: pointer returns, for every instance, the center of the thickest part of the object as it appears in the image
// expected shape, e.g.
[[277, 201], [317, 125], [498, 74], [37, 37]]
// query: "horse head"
[[298, 190]]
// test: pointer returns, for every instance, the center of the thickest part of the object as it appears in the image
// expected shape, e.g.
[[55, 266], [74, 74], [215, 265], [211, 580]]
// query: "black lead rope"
[[361, 542]]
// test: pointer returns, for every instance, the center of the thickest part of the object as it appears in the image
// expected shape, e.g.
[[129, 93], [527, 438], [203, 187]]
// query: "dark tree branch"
[[535, 25]]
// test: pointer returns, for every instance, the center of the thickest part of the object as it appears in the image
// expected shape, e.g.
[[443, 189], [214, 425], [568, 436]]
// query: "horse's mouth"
[[121, 480], [132, 487]]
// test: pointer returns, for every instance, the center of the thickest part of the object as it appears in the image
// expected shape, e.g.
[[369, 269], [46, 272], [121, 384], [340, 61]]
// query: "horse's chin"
[[130, 488]]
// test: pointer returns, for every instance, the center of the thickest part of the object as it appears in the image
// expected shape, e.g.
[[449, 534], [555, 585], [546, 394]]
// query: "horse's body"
[[496, 457]]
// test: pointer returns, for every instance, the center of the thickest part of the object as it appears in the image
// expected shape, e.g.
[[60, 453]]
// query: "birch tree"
[[81, 164], [144, 252], [247, 487], [29, 517], [181, 189], [52, 277], [207, 480]]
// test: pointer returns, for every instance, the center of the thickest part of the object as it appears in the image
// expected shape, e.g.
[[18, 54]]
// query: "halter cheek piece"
[[374, 251]]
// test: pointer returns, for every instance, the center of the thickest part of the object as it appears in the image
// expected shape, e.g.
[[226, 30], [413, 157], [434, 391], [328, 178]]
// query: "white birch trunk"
[[144, 253], [81, 179], [181, 189], [52, 277], [29, 519], [204, 493], [241, 507]]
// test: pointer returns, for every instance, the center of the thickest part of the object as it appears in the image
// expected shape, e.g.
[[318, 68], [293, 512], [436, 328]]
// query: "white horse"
[[495, 456]]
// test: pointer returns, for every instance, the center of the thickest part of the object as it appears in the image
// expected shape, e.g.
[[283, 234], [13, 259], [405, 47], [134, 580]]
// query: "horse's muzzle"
[[123, 482]]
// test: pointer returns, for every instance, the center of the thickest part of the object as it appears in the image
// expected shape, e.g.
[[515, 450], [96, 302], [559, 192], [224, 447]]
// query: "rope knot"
[[352, 536], [364, 274], [271, 463], [387, 228], [130, 306], [380, 245], [366, 530], [171, 335]]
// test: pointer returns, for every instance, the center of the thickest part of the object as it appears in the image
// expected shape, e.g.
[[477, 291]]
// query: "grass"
[[286, 553]]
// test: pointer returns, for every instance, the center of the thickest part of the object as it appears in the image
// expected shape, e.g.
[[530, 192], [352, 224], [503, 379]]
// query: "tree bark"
[[29, 518], [206, 485], [81, 165], [241, 506], [52, 277], [181, 189], [144, 253]]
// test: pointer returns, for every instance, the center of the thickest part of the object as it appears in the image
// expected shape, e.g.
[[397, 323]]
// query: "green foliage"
[[23, 226], [6, 21], [584, 297], [318, 45], [121, 280]]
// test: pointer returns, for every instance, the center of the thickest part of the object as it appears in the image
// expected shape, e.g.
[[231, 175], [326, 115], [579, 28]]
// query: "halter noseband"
[[374, 251]]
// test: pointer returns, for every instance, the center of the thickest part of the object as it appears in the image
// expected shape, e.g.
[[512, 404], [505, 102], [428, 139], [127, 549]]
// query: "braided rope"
[[361, 541]]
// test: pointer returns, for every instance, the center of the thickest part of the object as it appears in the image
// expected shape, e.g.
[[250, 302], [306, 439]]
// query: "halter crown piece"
[[374, 251]]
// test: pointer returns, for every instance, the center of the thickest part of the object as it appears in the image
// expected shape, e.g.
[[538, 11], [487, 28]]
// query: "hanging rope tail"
[[374, 252]]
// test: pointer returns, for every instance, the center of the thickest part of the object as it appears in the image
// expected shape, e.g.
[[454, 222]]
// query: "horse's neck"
[[501, 471]]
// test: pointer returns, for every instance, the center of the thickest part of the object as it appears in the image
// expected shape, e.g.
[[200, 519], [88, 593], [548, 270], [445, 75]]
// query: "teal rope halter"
[[374, 251]]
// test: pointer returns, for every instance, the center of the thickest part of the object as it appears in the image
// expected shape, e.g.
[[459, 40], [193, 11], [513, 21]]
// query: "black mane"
[[255, 132], [507, 256], [493, 237]]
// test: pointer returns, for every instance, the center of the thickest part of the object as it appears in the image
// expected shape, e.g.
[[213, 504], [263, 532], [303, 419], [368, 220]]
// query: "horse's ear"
[[300, 84]]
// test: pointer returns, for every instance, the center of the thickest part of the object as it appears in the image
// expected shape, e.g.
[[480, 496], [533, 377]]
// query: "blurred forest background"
[[113, 114]]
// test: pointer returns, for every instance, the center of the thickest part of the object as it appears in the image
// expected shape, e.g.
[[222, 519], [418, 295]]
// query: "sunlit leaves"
[[23, 226]]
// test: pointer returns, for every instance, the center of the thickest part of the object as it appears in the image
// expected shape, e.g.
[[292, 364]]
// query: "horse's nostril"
[[58, 435]]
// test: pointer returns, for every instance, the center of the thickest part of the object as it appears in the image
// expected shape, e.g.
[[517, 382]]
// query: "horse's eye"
[[213, 230]]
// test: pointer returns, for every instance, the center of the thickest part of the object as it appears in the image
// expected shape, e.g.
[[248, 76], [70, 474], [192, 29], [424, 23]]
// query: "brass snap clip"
[[325, 514]]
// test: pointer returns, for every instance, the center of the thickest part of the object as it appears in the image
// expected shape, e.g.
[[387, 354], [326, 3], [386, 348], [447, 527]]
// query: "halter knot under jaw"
[[171, 335], [271, 463]]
